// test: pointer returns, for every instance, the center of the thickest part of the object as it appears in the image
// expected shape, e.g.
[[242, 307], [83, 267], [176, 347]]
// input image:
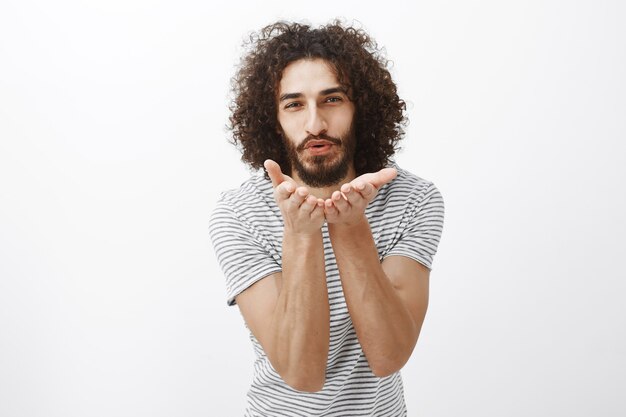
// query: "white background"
[[113, 150]]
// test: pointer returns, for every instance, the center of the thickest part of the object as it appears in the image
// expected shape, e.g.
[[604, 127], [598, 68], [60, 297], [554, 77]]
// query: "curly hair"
[[379, 117]]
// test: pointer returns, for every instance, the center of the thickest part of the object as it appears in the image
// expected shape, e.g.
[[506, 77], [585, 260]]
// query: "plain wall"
[[113, 151]]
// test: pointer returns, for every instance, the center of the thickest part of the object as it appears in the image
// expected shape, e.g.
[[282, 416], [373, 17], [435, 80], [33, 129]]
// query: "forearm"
[[379, 316], [300, 325]]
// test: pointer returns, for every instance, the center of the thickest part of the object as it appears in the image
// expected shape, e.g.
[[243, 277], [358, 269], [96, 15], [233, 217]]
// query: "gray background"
[[113, 151]]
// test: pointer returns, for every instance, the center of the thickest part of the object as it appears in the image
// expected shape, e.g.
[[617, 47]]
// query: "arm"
[[288, 312], [388, 301]]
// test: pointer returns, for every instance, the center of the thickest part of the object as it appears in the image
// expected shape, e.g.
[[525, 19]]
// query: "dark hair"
[[379, 116]]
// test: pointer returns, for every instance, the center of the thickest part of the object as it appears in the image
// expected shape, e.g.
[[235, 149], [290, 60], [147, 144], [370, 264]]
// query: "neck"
[[325, 192]]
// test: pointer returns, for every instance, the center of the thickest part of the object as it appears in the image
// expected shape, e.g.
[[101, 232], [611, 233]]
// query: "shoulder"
[[249, 192], [409, 187], [410, 220], [254, 192], [255, 195]]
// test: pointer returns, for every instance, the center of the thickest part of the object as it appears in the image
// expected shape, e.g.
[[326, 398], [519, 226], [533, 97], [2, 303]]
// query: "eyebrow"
[[326, 92]]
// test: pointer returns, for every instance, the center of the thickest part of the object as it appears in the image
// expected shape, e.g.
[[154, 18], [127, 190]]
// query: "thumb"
[[274, 172], [383, 176]]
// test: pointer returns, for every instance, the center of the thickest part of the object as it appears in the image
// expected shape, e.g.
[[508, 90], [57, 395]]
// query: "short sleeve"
[[420, 237], [242, 252]]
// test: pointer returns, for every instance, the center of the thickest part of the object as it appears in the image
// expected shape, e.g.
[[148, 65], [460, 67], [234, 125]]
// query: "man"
[[328, 252]]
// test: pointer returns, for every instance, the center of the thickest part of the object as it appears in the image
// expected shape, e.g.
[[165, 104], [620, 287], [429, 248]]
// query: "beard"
[[322, 170]]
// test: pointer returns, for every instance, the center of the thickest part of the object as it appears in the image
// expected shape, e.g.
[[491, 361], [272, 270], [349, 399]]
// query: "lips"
[[317, 143], [320, 140]]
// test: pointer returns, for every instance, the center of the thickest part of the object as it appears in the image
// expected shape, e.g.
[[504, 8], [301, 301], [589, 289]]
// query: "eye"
[[292, 105], [333, 99]]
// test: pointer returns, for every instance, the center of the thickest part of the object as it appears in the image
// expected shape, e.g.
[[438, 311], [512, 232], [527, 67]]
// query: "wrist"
[[301, 235], [360, 224]]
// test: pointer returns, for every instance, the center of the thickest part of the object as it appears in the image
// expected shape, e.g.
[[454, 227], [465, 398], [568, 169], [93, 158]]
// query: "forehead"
[[307, 76]]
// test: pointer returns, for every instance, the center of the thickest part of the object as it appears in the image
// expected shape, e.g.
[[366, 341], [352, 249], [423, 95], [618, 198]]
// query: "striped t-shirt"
[[246, 228]]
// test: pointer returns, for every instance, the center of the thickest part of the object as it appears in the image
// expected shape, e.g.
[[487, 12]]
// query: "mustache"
[[335, 141]]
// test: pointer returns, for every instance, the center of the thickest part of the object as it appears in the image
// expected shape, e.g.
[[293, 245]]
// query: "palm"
[[348, 205], [302, 212]]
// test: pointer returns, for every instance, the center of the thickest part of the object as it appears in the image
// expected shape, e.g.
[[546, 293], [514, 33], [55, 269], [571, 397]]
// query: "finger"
[[383, 176], [367, 190], [340, 201], [299, 196], [329, 208], [318, 211], [284, 190], [309, 204], [351, 194], [274, 172], [354, 196]]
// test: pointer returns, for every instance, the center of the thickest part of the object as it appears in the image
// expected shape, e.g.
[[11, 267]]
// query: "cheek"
[[343, 121], [288, 124]]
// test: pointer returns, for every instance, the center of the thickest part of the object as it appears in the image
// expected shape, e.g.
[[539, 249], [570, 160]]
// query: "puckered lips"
[[318, 146]]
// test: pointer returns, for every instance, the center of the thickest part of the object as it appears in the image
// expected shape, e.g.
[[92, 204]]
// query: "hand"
[[347, 206], [302, 212]]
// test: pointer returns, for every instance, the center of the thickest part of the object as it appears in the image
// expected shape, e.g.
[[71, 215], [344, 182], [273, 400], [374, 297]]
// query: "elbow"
[[305, 384], [388, 366], [304, 379], [383, 365], [385, 370]]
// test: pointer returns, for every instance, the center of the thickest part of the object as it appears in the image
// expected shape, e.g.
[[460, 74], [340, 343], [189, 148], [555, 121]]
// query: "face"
[[315, 117]]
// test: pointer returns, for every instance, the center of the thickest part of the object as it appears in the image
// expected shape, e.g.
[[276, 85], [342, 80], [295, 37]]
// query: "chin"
[[324, 175]]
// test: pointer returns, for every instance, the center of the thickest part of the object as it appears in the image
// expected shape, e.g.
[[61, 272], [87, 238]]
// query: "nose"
[[315, 123]]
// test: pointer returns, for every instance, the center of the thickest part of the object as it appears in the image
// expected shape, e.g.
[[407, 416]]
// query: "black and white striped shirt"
[[246, 228]]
